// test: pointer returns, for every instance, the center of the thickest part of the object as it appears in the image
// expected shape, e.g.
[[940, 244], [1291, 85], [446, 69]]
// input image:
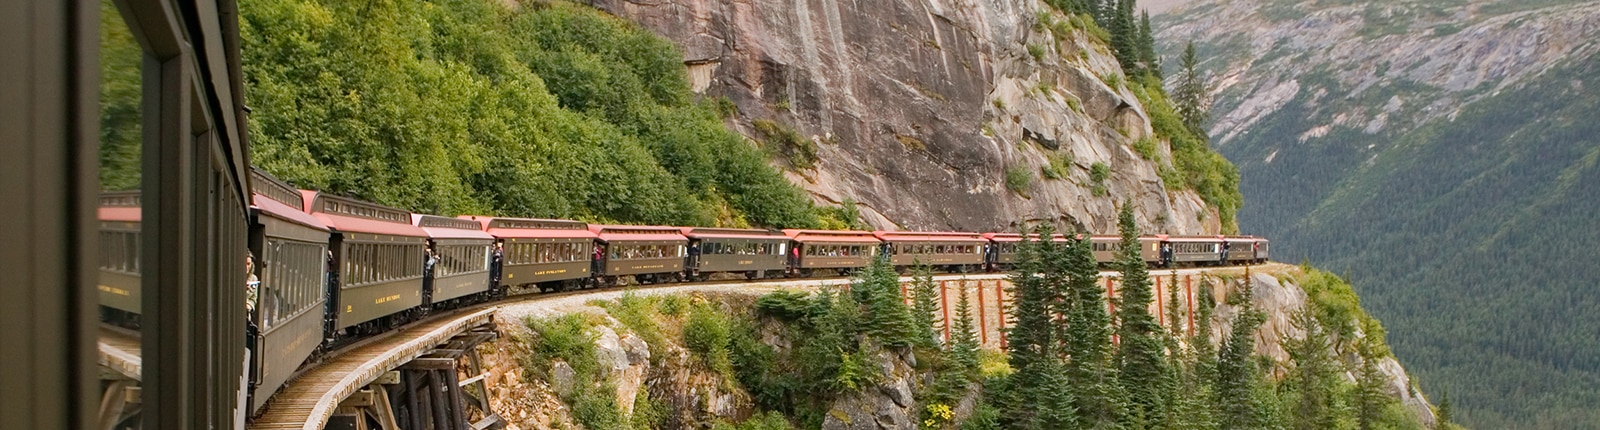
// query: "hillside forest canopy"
[[470, 107]]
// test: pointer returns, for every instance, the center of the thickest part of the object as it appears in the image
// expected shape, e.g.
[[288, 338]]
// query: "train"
[[332, 269]]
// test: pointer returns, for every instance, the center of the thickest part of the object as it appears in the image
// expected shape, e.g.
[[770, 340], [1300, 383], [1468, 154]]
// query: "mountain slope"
[[1444, 156]]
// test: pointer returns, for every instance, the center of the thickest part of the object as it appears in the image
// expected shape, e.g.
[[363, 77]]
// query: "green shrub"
[[707, 334], [638, 314], [1146, 147], [800, 151], [1036, 51], [568, 338], [1058, 167], [1018, 179], [1098, 172]]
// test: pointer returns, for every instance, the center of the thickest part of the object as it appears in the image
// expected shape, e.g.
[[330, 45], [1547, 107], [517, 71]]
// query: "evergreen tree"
[[1237, 376], [1141, 353], [1205, 351], [1125, 37], [925, 306], [1314, 376], [963, 338], [1096, 393], [1191, 97], [1149, 62], [1446, 413], [887, 319], [1200, 382], [1372, 395], [1055, 400], [1029, 341]]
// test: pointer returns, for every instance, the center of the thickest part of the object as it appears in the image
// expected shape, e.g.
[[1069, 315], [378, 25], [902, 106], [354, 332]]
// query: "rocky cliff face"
[[918, 108]]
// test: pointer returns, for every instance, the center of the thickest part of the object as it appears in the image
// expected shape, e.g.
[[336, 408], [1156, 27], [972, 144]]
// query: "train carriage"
[[1261, 251], [1195, 250], [649, 254], [462, 251], [754, 253], [952, 252], [1107, 246], [118, 286], [540, 254], [378, 256], [840, 250], [1002, 252], [1240, 249], [291, 252]]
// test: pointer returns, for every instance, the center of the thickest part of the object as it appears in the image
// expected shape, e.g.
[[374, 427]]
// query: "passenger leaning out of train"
[[251, 283]]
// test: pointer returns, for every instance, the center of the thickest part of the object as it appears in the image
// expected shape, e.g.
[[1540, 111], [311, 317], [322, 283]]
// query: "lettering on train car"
[[549, 272], [113, 290], [386, 299]]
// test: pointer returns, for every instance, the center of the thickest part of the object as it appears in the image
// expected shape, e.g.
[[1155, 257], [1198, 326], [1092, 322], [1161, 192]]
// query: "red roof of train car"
[[833, 236], [346, 223], [280, 210], [926, 236], [441, 227], [503, 227], [637, 233], [731, 233]]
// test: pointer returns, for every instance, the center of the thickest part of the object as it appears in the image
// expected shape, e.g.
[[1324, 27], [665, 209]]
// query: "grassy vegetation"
[[784, 141], [467, 106], [1019, 179], [1146, 147], [1058, 167], [1098, 172], [569, 338]]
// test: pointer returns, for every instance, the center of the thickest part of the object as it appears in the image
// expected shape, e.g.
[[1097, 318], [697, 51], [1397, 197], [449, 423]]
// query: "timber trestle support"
[[441, 390]]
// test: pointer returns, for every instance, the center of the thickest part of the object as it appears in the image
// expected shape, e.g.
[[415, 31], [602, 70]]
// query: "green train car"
[[647, 254], [753, 253], [948, 251], [540, 255], [840, 251], [379, 257]]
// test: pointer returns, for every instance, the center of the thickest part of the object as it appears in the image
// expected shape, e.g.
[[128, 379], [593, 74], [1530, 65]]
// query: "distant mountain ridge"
[[1444, 155]]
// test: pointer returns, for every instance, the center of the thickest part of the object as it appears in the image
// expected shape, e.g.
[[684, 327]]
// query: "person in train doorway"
[[1166, 254], [1224, 260], [252, 286], [496, 257]]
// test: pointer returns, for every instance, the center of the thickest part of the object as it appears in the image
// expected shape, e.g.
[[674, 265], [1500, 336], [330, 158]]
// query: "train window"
[[121, 231], [291, 276]]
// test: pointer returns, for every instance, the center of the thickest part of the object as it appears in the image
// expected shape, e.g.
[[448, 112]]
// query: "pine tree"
[[1314, 376], [1237, 377], [877, 291], [1446, 413], [1125, 37], [1096, 393], [925, 306], [1029, 341], [1372, 395], [1200, 382], [1192, 96], [1140, 355], [1149, 62], [963, 338]]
